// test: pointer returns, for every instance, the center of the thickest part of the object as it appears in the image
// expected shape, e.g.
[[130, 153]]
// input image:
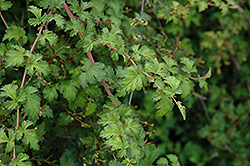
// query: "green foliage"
[[111, 82]]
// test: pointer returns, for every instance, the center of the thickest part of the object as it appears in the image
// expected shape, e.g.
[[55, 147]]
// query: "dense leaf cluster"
[[106, 82]]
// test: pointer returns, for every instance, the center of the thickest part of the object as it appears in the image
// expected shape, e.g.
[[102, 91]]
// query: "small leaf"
[[111, 130], [37, 64], [21, 160], [48, 36], [110, 117], [17, 33], [164, 104], [16, 56], [90, 109], [5, 5], [38, 13], [182, 109], [50, 93]]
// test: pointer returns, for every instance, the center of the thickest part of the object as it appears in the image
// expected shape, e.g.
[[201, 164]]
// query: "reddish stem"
[[88, 53], [4, 21]]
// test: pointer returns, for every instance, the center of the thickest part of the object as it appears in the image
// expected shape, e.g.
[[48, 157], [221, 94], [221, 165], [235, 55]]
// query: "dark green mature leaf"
[[21, 160], [38, 13], [32, 105], [50, 93], [5, 5], [142, 53], [30, 136], [48, 36], [92, 74], [9, 140], [164, 104], [69, 90], [16, 56], [37, 64], [17, 33], [173, 159], [64, 119]]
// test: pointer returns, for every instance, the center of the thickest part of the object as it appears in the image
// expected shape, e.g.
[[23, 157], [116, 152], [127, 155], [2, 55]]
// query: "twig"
[[159, 23], [66, 8], [4, 21], [130, 98]]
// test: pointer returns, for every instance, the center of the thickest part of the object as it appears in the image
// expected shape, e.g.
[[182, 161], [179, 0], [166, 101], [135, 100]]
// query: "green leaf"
[[37, 64], [5, 5], [30, 136], [156, 67], [90, 109], [32, 105], [115, 142], [20, 160], [51, 4], [50, 93], [47, 112], [48, 36], [58, 19], [182, 109], [17, 33], [171, 65], [173, 86], [38, 13], [162, 162], [189, 65], [164, 104], [64, 119], [16, 56], [143, 52], [75, 26], [110, 117], [134, 80], [173, 159], [92, 74], [69, 90], [202, 6], [9, 140], [111, 130]]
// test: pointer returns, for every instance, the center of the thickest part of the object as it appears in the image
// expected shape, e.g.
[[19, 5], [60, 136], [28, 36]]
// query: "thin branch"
[[131, 60], [159, 23], [4, 21], [88, 53]]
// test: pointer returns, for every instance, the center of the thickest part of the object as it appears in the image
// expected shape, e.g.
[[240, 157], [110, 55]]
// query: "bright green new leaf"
[[164, 104], [20, 160], [182, 109], [156, 67], [112, 130], [132, 128], [173, 159], [48, 36], [32, 105], [110, 117], [135, 151], [37, 64], [162, 162], [16, 56], [58, 19], [90, 109], [115, 142], [134, 80], [38, 13], [171, 64], [92, 74], [202, 6], [189, 65], [9, 140], [17, 33], [173, 86], [5, 5], [30, 136]]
